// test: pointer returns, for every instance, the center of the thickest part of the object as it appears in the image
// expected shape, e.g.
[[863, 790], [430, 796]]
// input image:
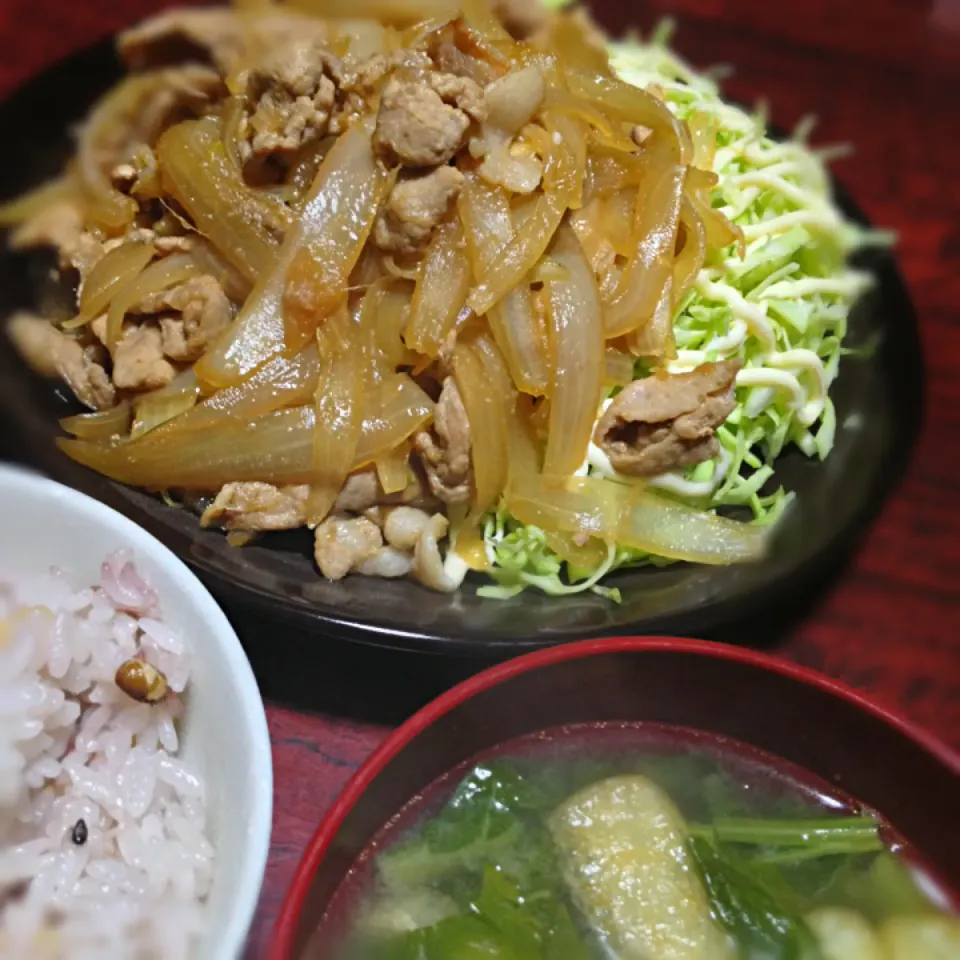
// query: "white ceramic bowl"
[[225, 736]]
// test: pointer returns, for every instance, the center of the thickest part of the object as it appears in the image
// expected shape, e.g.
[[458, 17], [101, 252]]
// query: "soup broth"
[[636, 842]]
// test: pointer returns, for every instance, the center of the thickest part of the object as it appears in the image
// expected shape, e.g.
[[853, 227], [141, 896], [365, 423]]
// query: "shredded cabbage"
[[782, 309]]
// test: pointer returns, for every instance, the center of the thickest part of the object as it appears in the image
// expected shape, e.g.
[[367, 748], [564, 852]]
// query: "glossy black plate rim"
[[90, 70]]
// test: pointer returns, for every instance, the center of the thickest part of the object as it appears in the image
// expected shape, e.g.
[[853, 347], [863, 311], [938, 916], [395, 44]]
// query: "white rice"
[[73, 746]]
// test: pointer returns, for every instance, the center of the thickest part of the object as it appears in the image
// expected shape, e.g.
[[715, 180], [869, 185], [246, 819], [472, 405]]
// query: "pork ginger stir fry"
[[381, 277]]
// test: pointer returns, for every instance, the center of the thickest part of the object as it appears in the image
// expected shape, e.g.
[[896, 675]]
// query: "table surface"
[[882, 76]]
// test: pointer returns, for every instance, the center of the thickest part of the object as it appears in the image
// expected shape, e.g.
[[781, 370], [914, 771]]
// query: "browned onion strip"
[[644, 277], [720, 232], [283, 382], [338, 223], [485, 212], [655, 340], [440, 291], [240, 223], [633, 105], [112, 272], [488, 431], [276, 448], [349, 171], [159, 276], [385, 11], [564, 170], [105, 425], [344, 379], [160, 406], [393, 470], [577, 356], [619, 366], [691, 257]]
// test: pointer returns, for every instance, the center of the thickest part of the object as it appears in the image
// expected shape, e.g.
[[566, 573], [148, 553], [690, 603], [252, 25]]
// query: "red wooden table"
[[882, 76]]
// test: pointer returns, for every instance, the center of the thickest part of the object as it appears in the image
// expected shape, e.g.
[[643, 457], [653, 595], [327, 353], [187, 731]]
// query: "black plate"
[[878, 400]]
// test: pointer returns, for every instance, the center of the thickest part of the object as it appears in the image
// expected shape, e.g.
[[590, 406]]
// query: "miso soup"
[[636, 842]]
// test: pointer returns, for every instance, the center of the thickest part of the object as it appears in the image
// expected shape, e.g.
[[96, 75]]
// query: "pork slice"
[[425, 121], [416, 205], [293, 91], [218, 36], [665, 422], [53, 353], [342, 544], [138, 360], [201, 311], [445, 450], [258, 507]]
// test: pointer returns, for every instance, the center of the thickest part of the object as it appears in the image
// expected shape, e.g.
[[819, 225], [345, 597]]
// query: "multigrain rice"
[[131, 880]]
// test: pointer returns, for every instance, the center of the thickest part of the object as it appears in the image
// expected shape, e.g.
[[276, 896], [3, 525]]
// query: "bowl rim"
[[232, 938], [285, 927]]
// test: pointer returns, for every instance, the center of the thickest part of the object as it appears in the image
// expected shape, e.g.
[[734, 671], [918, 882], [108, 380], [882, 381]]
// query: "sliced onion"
[[690, 259], [344, 379], [675, 530], [581, 505], [519, 174], [393, 470], [703, 133], [566, 167], [276, 448], [242, 223], [611, 172], [156, 408], [282, 382], [112, 272], [471, 547], [568, 40], [720, 232], [486, 216], [519, 256], [156, 278], [349, 188], [328, 236], [578, 360], [104, 425], [655, 339], [399, 409], [633, 105], [488, 429], [480, 17], [391, 304], [512, 101], [440, 291], [522, 443], [618, 366], [644, 277], [584, 556]]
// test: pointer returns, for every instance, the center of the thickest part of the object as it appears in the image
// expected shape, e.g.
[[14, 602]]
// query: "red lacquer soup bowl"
[[834, 734]]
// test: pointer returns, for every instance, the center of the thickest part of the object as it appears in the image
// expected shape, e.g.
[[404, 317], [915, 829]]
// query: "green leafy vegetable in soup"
[[642, 849]]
